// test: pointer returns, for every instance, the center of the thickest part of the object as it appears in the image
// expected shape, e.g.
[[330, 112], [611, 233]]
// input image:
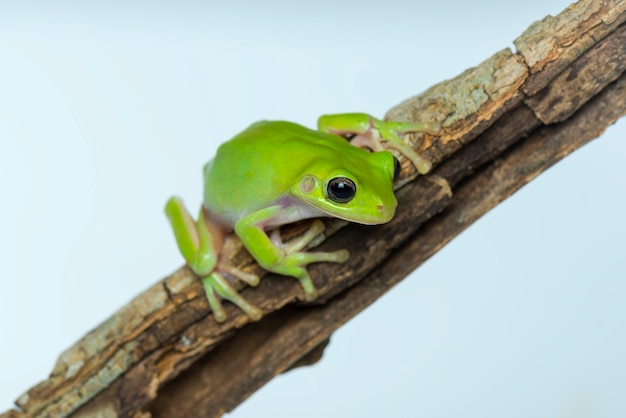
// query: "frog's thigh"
[[195, 240]]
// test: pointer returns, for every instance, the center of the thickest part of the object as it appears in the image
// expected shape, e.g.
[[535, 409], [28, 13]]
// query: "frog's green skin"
[[275, 173]]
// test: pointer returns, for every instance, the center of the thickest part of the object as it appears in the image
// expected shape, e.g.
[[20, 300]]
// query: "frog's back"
[[258, 166]]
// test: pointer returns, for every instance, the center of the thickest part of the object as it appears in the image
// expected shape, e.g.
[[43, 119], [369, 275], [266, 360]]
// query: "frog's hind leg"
[[200, 242], [195, 240]]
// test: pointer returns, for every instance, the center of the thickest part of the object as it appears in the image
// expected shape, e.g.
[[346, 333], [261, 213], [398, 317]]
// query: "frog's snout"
[[386, 212]]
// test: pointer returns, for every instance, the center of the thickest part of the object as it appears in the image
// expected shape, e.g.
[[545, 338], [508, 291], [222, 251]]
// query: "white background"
[[108, 108]]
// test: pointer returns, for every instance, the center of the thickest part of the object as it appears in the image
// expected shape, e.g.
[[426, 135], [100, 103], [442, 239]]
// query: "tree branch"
[[505, 121]]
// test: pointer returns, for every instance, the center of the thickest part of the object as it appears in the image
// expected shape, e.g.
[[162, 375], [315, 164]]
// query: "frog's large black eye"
[[341, 189], [396, 168]]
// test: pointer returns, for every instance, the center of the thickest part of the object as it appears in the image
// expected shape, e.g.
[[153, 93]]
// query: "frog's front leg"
[[285, 259], [364, 130], [200, 243]]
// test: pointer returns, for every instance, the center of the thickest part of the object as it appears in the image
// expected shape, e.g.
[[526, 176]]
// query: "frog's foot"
[[295, 261], [224, 264], [216, 288], [295, 265], [384, 135], [366, 131]]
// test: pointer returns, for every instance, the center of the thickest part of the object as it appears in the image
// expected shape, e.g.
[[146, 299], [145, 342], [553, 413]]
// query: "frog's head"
[[358, 189]]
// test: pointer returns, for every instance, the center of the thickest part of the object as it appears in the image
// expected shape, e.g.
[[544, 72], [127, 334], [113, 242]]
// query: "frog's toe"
[[249, 278], [310, 292], [304, 258], [297, 244], [214, 300], [340, 256]]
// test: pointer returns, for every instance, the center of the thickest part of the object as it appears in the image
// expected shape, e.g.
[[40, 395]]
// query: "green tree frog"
[[275, 173]]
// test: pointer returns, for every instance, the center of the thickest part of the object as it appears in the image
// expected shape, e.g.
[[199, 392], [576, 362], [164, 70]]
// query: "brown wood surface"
[[505, 121]]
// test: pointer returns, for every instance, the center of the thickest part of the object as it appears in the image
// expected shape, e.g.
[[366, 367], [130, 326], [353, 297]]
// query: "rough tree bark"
[[505, 121]]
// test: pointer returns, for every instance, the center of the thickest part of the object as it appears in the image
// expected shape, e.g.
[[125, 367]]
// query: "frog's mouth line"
[[384, 214]]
